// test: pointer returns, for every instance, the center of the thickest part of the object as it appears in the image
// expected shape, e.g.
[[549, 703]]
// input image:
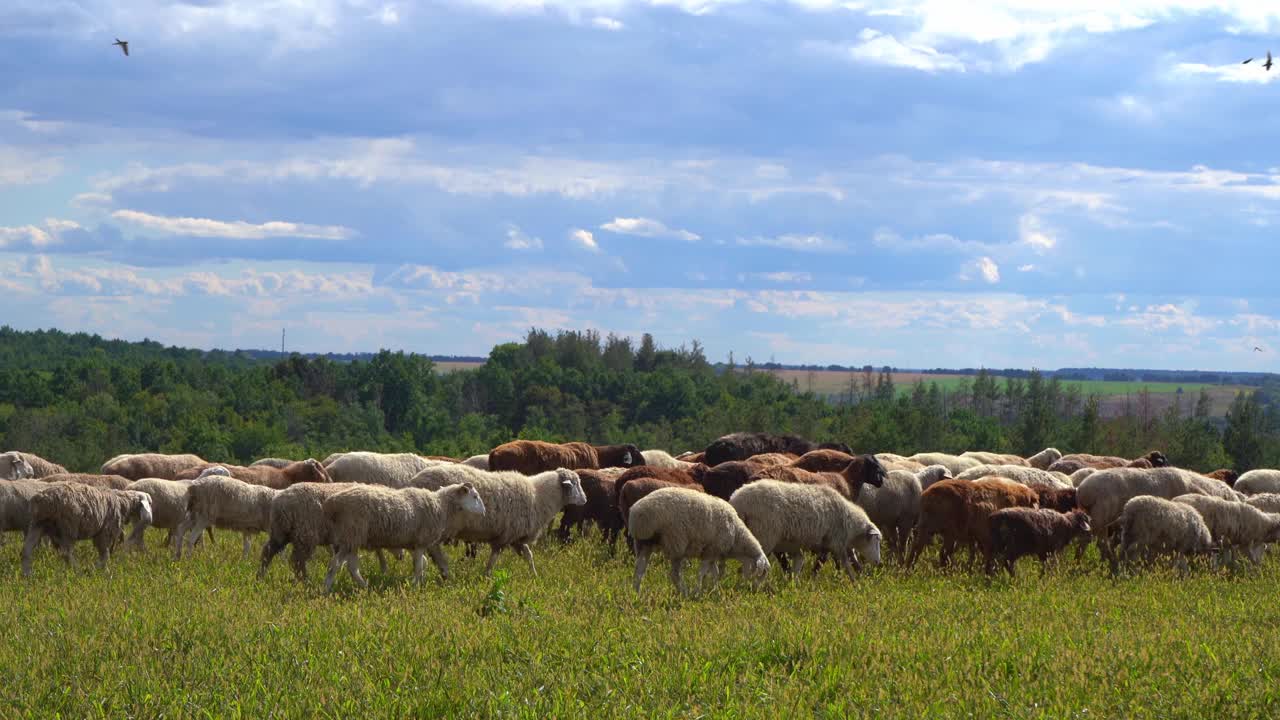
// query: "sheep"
[[639, 488], [279, 463], [225, 503], [695, 475], [266, 475], [954, 463], [1078, 476], [1235, 524], [112, 482], [1045, 458], [15, 467], [1020, 474], [1226, 475], [69, 512], [1020, 531], [297, 518], [790, 518], [534, 456], [1070, 463], [168, 507], [1056, 498], [414, 519], [39, 466], [331, 458], [391, 470], [822, 461], [1159, 525], [661, 458], [518, 508], [601, 508], [862, 470], [894, 507], [692, 457], [1266, 502], [479, 462], [958, 510], [1258, 481], [623, 456], [892, 461], [931, 474], [150, 465], [723, 479], [741, 446], [686, 524], [990, 458], [15, 505]]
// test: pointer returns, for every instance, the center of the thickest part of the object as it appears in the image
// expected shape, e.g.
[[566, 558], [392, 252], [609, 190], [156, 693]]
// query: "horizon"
[[893, 183]]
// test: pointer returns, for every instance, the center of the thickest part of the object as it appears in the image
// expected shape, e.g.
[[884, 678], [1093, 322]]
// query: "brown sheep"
[[691, 457], [531, 457], [1019, 531], [693, 475], [622, 456], [958, 511], [862, 470], [601, 508], [744, 445], [774, 459], [1226, 475], [1056, 498], [823, 461], [113, 482], [151, 465], [1068, 464], [309, 470]]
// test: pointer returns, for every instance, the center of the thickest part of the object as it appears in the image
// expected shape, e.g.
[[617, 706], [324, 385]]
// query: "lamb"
[[1258, 481], [112, 482], [958, 510], [954, 463], [534, 456], [661, 458], [297, 518], [225, 503], [518, 508], [151, 465], [15, 467], [39, 466], [406, 518], [1266, 502], [790, 518], [741, 446], [70, 512], [990, 458], [686, 524], [1070, 463], [1159, 525], [279, 463], [1020, 474], [391, 470], [480, 462], [1020, 531], [1235, 524], [601, 508], [894, 507]]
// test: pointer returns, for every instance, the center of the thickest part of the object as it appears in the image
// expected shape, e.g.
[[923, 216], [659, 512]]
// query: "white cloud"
[[983, 267], [781, 277], [881, 49], [584, 239], [1232, 73], [518, 240], [24, 236], [235, 230], [21, 167], [646, 227], [1032, 232], [607, 23], [1026, 268], [797, 242]]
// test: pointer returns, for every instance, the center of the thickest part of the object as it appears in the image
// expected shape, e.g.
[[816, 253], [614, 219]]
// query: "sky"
[[919, 183]]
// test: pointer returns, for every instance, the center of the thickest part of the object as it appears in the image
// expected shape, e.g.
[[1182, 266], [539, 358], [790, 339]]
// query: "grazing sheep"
[[1062, 499], [151, 465], [111, 482], [15, 467], [1235, 524], [685, 524], [265, 475], [1226, 475], [518, 507], [932, 474], [894, 507], [370, 468], [822, 461], [1158, 526], [1068, 464], [954, 463], [1258, 481], [15, 505], [633, 491], [661, 458], [413, 519], [990, 458], [297, 518], [168, 507], [332, 457], [1020, 474], [1045, 458], [892, 461], [534, 456], [1266, 502], [69, 512], [744, 445], [623, 456], [479, 462], [790, 518], [1020, 531], [1078, 476], [225, 503], [39, 466], [279, 463], [723, 479], [695, 475], [601, 508], [862, 470], [958, 511]]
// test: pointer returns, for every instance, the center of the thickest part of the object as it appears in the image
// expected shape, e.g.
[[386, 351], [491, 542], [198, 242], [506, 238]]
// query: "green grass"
[[204, 639]]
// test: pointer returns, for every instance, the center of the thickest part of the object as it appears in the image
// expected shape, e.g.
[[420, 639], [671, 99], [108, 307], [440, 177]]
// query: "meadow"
[[204, 638]]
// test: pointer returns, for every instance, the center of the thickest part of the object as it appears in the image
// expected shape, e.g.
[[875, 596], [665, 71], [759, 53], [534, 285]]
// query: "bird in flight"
[[1257, 349], [124, 45], [1266, 64]]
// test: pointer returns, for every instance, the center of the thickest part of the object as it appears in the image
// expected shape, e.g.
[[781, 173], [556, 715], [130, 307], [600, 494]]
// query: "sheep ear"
[[626, 458]]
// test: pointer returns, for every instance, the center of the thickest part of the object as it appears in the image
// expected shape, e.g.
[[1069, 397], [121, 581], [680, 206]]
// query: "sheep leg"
[[382, 561], [67, 549], [677, 575], [527, 553], [918, 544], [439, 558], [197, 528], [493, 558], [846, 564], [707, 568], [353, 567], [419, 562], [798, 563], [298, 559], [28, 547], [103, 544], [248, 546], [944, 555], [642, 563], [335, 564], [270, 549]]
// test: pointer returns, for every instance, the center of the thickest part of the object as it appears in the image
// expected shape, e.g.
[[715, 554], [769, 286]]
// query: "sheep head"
[[868, 545], [469, 499], [866, 469], [571, 487], [1157, 458], [139, 508], [316, 471], [15, 467], [1080, 522]]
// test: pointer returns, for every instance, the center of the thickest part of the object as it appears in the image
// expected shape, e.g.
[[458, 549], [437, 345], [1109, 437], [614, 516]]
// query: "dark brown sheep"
[[623, 456], [112, 482], [724, 478], [534, 456], [741, 446], [601, 509], [958, 511], [1020, 531], [774, 459], [309, 470], [1226, 475], [693, 475], [1056, 498], [1068, 464]]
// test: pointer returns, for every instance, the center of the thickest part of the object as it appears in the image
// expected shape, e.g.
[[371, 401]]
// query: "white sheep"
[[685, 524], [792, 518], [1158, 525], [930, 475], [894, 507], [391, 470], [225, 503], [15, 504], [1266, 502], [1020, 474], [1043, 459], [518, 508], [1259, 481], [1078, 476], [70, 512], [168, 507], [479, 462], [954, 463], [329, 459], [278, 463], [150, 465], [991, 458], [1235, 524], [662, 458], [297, 519], [40, 467], [407, 518], [13, 466]]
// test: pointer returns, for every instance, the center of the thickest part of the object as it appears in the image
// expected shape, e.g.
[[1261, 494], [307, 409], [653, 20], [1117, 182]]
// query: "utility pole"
[[281, 341]]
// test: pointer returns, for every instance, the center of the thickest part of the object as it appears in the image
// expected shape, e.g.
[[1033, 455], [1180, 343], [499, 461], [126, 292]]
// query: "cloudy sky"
[[915, 183]]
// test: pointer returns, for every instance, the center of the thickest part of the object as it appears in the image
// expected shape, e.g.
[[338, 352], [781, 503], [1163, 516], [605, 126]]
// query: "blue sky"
[[915, 183]]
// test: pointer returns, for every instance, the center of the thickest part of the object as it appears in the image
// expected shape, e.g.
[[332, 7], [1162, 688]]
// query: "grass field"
[[204, 639]]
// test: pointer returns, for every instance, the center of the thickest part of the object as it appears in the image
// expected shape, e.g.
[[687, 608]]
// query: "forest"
[[79, 399]]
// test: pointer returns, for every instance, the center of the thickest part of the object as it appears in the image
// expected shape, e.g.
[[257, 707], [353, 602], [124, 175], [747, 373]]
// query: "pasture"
[[204, 638]]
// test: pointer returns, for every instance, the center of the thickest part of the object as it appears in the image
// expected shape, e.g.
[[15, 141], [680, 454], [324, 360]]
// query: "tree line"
[[79, 399]]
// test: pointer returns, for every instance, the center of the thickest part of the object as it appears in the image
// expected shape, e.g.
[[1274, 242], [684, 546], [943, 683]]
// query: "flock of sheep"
[[747, 497]]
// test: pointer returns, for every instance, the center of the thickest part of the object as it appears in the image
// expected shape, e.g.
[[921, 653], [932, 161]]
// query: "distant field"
[[450, 366]]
